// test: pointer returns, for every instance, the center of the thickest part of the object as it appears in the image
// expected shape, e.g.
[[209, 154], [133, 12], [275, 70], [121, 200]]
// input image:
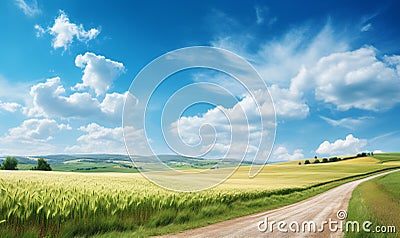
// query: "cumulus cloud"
[[49, 99], [225, 132], [281, 153], [9, 106], [29, 9], [355, 79], [34, 131], [65, 32], [300, 67], [32, 137], [288, 103], [98, 72], [98, 139], [350, 145], [283, 64]]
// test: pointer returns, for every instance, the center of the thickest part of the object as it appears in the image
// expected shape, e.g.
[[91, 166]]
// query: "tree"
[[325, 160], [333, 159], [316, 161], [307, 162], [299, 163], [10, 163], [315, 157], [42, 165]]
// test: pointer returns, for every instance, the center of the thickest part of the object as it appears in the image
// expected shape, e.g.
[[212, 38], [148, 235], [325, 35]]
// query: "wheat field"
[[69, 204]]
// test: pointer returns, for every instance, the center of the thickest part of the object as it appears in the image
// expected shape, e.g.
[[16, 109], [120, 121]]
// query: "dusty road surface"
[[318, 209]]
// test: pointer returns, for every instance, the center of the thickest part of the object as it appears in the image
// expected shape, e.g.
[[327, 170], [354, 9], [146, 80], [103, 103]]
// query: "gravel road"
[[319, 208]]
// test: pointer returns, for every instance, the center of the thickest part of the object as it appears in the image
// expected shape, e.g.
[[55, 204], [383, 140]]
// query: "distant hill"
[[119, 163]]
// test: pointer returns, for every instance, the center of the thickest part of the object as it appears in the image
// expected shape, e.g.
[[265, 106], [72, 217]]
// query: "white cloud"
[[32, 137], [348, 122], [281, 153], [29, 9], [301, 65], [283, 64], [224, 132], [393, 61], [99, 139], [9, 106], [366, 27], [113, 103], [65, 32], [356, 79], [39, 30], [99, 73], [49, 100], [279, 61], [350, 145], [34, 131], [288, 103]]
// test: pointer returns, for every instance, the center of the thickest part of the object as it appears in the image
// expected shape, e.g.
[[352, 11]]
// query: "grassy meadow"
[[378, 201], [68, 204]]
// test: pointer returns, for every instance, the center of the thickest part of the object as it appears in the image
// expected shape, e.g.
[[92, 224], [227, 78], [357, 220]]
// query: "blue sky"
[[332, 69]]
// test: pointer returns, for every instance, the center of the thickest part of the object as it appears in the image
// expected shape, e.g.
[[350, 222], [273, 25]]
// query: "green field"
[[125, 204], [388, 158], [378, 201]]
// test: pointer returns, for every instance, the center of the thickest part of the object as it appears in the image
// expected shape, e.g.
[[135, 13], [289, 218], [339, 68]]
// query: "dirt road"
[[319, 208]]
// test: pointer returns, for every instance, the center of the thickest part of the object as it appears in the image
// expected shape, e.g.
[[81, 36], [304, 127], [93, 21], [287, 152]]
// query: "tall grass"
[[377, 201], [77, 204]]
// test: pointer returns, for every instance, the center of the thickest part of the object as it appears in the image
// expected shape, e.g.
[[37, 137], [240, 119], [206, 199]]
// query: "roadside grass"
[[378, 201]]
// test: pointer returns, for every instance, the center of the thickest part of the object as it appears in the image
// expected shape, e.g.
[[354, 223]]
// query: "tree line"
[[334, 159], [11, 163]]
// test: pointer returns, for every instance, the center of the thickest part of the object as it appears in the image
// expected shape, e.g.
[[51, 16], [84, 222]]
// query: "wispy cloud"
[[348, 122], [366, 27], [382, 136], [259, 16], [29, 9], [263, 16]]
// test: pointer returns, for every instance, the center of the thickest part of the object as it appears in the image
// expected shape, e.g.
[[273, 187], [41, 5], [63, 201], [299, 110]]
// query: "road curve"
[[319, 208]]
